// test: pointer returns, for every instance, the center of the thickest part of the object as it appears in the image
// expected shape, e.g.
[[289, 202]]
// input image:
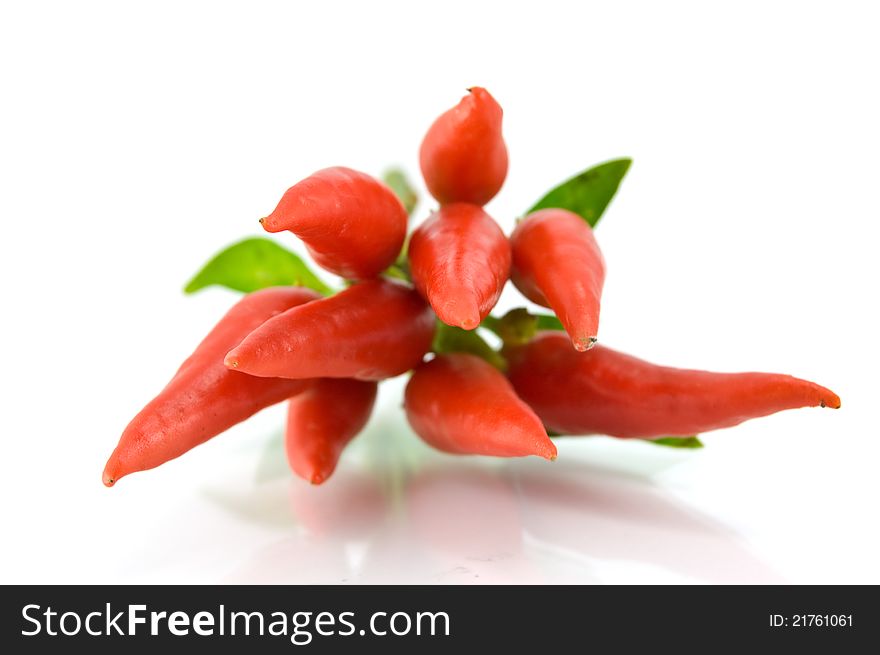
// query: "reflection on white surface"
[[754, 506], [396, 512]]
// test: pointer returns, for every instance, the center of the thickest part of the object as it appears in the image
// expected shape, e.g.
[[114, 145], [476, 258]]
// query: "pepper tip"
[[108, 478], [547, 450], [268, 224], [583, 344], [833, 402], [462, 311]]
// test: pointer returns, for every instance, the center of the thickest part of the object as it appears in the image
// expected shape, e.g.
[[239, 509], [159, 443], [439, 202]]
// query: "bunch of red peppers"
[[421, 307]]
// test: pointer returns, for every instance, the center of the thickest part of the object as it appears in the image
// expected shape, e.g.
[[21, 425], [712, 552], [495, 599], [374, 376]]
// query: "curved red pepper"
[[322, 420], [463, 156], [607, 392], [557, 263], [460, 260], [460, 404], [370, 331], [204, 398], [352, 224]]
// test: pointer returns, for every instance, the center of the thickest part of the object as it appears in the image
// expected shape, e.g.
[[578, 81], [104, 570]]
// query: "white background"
[[136, 140]]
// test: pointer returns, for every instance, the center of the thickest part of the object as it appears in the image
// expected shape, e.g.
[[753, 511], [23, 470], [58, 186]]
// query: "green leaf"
[[518, 326], [587, 194], [256, 263], [492, 323], [400, 184], [548, 322], [677, 442], [400, 268], [396, 272], [449, 339]]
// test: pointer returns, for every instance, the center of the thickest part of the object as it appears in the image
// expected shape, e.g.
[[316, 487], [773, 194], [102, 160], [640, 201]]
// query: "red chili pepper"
[[204, 398], [322, 420], [460, 404], [557, 263], [372, 330], [607, 392], [460, 259], [351, 223], [463, 156]]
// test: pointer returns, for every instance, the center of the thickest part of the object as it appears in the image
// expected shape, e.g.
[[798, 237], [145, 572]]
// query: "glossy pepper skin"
[[460, 404], [370, 331], [322, 420], [204, 398], [557, 263], [352, 224], [607, 392], [460, 260], [463, 156]]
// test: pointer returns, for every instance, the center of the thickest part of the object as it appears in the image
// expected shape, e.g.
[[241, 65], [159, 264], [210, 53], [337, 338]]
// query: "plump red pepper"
[[460, 260], [607, 392], [322, 420], [352, 224], [370, 331], [557, 263], [204, 398], [463, 156], [460, 404]]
